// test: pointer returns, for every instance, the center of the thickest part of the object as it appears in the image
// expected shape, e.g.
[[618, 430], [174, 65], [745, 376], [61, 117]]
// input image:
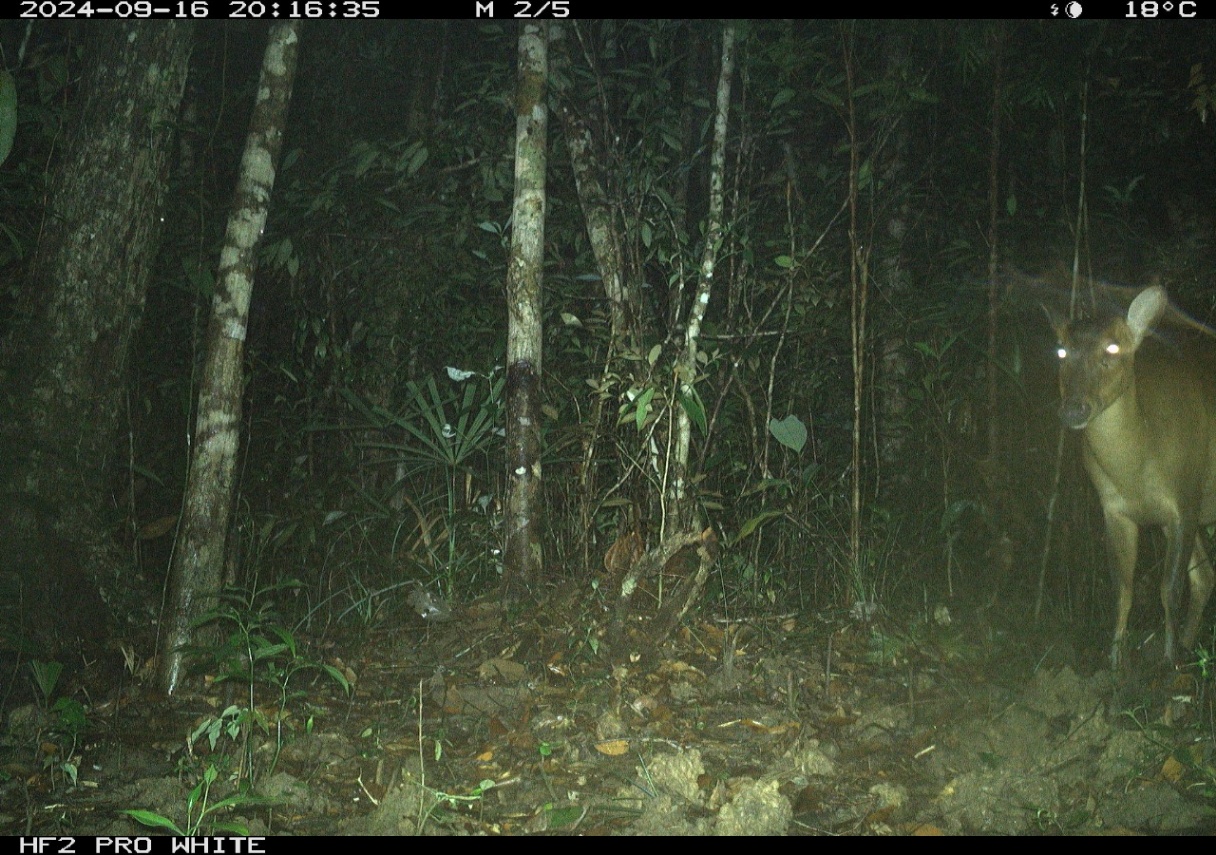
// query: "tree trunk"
[[199, 557], [63, 364], [681, 509], [859, 281], [522, 553], [625, 310]]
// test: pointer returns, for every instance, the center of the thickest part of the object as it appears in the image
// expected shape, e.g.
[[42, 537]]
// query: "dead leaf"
[[1172, 770], [622, 555], [502, 670], [879, 816], [677, 667], [557, 667], [612, 747]]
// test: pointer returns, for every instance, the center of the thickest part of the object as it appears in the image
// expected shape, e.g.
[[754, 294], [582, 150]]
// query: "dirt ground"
[[484, 723]]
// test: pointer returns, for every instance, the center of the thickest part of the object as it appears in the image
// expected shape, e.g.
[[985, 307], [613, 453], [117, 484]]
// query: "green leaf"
[[782, 96], [268, 651], [366, 157], [419, 157], [563, 816], [691, 402], [828, 97], [865, 174], [755, 522], [765, 484], [234, 828], [789, 431], [46, 676], [71, 714], [338, 676], [643, 408], [154, 820]]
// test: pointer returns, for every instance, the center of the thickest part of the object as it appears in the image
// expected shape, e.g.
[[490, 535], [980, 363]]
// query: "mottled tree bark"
[[682, 513], [607, 237], [197, 569], [523, 557], [63, 363]]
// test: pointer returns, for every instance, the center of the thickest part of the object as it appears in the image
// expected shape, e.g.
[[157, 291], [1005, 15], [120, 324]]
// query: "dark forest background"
[[367, 463]]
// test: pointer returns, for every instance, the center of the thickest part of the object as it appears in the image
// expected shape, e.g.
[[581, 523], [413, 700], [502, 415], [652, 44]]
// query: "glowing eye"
[[1062, 353], [1112, 349]]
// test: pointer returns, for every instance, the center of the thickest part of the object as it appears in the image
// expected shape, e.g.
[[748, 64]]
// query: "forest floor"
[[489, 724]]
